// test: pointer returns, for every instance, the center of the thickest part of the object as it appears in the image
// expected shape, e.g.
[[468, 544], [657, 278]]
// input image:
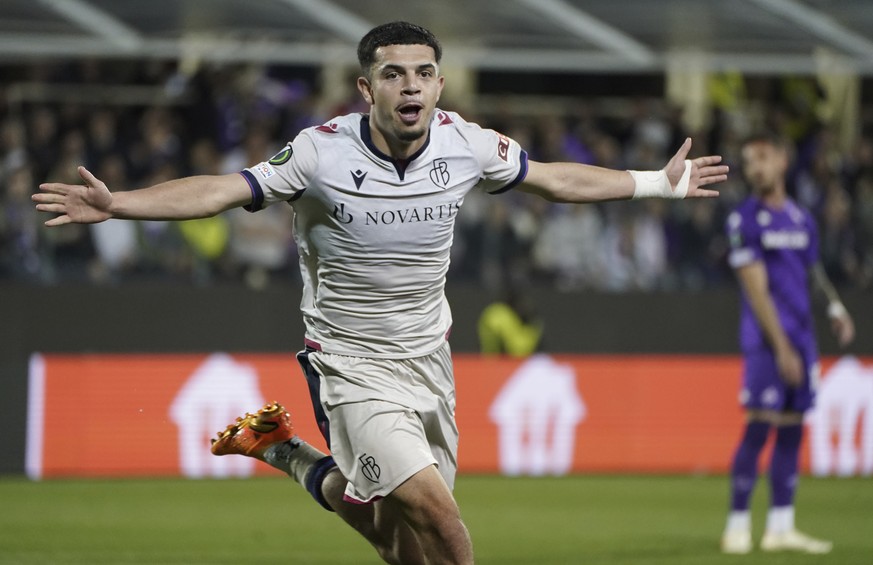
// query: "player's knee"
[[756, 433], [390, 553]]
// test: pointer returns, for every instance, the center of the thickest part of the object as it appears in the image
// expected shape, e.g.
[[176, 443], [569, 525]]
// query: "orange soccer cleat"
[[252, 434]]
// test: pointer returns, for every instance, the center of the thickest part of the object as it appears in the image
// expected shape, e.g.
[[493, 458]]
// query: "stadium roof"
[[752, 36]]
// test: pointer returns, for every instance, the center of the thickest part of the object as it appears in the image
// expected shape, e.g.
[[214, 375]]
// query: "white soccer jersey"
[[374, 233]]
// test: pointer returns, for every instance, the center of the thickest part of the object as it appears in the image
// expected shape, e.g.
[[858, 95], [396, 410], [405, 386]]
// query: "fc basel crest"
[[282, 156]]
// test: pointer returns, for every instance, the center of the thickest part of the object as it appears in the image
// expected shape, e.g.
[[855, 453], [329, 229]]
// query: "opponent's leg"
[[780, 534], [737, 537]]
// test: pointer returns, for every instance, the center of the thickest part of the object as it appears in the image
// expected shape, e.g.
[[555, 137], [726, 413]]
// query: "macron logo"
[[328, 128], [358, 176]]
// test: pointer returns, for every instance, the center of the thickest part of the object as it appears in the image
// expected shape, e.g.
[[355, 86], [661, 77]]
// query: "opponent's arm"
[[754, 283], [841, 322], [575, 182], [180, 199]]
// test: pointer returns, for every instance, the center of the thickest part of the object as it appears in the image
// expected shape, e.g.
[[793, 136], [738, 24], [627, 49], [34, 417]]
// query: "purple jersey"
[[786, 240]]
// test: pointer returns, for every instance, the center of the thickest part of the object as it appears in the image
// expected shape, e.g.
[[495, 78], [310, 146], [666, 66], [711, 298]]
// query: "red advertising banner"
[[153, 415]]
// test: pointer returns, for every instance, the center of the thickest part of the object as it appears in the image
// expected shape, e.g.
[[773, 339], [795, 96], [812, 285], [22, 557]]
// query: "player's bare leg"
[[419, 522], [380, 522], [430, 510]]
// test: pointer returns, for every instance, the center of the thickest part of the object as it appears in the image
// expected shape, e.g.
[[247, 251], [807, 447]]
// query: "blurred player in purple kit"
[[774, 252], [375, 198]]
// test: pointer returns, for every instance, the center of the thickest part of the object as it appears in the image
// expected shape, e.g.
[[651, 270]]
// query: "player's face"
[[402, 90], [764, 166]]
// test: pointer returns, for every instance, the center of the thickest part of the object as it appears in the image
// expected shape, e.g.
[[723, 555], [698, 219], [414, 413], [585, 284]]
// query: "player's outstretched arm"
[[575, 182], [181, 199]]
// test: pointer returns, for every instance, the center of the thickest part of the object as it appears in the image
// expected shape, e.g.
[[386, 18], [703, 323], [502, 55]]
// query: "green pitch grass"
[[616, 520]]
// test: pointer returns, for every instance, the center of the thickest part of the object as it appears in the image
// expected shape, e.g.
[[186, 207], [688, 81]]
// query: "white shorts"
[[388, 418]]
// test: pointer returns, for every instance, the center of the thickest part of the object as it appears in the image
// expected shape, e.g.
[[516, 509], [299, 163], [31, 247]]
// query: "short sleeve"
[[503, 161], [743, 239], [285, 176]]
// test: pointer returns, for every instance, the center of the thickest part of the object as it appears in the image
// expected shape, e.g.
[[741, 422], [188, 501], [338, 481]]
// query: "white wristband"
[[655, 184], [836, 310]]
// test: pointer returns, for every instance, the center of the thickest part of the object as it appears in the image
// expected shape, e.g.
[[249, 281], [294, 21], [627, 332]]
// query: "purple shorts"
[[763, 389]]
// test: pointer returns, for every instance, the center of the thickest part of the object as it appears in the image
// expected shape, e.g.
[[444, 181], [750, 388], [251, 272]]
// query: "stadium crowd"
[[221, 119]]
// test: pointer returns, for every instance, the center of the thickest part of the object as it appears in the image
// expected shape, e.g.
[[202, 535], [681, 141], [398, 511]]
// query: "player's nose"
[[410, 85]]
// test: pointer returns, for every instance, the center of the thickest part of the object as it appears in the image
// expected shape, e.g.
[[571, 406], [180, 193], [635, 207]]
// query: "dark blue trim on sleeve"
[[257, 192], [522, 173]]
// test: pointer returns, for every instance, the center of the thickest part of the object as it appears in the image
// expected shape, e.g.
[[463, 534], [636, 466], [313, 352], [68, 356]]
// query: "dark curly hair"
[[394, 33]]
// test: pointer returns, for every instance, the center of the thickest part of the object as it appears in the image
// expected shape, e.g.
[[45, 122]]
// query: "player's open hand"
[[80, 204], [790, 365], [704, 171], [843, 328]]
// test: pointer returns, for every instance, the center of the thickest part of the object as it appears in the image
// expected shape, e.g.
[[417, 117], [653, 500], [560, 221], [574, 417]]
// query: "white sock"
[[294, 457], [780, 519], [739, 521]]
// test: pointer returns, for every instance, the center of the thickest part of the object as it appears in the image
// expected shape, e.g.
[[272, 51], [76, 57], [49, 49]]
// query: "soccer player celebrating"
[[774, 248], [375, 198]]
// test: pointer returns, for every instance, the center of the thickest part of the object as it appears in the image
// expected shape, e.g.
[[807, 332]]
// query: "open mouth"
[[410, 113]]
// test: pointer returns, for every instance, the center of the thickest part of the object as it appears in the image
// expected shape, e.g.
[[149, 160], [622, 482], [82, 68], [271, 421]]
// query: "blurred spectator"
[[207, 238], [492, 247], [839, 251], [103, 142], [42, 139], [257, 146], [567, 247], [116, 242], [864, 220], [260, 246], [635, 249], [701, 247], [509, 326], [13, 153], [21, 253], [70, 249]]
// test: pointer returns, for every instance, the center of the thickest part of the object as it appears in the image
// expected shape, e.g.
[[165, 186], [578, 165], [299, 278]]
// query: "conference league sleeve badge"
[[282, 156]]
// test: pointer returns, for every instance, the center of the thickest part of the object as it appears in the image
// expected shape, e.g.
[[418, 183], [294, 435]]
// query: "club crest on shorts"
[[369, 468]]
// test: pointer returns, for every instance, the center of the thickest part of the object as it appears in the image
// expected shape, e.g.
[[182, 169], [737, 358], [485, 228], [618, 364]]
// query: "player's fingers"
[[845, 332], [683, 150], [703, 181], [708, 160], [53, 208], [47, 198], [86, 176], [713, 170], [843, 338], [55, 187], [703, 193], [59, 221]]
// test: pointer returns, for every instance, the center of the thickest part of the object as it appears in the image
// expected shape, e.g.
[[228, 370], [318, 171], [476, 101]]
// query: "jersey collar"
[[399, 164]]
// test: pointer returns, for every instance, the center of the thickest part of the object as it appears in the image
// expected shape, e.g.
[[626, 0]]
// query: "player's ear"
[[365, 89]]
